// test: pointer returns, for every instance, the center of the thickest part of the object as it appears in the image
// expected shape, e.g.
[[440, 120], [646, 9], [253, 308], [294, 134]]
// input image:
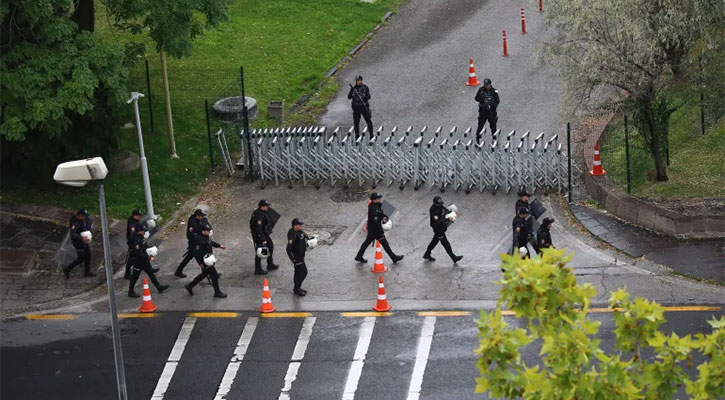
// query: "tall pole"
[[568, 152], [144, 168], [148, 87], [626, 151], [117, 350], [169, 120], [208, 134], [702, 99], [245, 113]]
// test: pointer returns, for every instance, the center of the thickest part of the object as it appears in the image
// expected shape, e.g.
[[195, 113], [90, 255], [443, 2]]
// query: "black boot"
[[360, 259], [220, 294], [272, 267], [66, 272], [161, 288], [299, 292], [397, 258], [428, 257], [179, 274], [189, 289], [133, 294], [456, 258], [260, 272]]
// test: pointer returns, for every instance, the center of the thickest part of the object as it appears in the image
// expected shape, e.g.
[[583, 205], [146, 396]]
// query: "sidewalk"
[[703, 259]]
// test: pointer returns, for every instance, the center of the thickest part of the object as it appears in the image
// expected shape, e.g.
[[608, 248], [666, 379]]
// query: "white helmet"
[[87, 236], [146, 235], [451, 216], [523, 251], [152, 251], [209, 260], [387, 225], [211, 232], [263, 252], [453, 208], [151, 223], [312, 242]]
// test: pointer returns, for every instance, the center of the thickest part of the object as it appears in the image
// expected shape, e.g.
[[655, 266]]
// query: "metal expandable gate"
[[438, 160]]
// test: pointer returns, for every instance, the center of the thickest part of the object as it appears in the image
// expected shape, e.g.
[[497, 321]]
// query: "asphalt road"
[[64, 359]]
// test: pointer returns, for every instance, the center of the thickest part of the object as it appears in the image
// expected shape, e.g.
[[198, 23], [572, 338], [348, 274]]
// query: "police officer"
[[360, 96], [204, 246], [543, 236], [376, 218], [79, 223], [261, 228], [523, 231], [296, 248], [131, 223], [439, 223], [523, 201], [487, 98], [141, 261], [193, 228]]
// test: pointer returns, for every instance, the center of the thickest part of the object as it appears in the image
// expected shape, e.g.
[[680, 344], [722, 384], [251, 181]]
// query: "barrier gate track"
[[438, 160]]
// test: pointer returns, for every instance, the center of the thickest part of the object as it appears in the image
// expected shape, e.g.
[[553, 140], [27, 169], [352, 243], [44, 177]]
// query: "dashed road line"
[[242, 345], [49, 317], [444, 313], [363, 343], [213, 314], [176, 352], [421, 358], [297, 355], [286, 315], [138, 315], [366, 314]]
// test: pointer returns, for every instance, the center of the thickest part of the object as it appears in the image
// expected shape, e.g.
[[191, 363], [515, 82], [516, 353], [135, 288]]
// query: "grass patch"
[[286, 47], [696, 166]]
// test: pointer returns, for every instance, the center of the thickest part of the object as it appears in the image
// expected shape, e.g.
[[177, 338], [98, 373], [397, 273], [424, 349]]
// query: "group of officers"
[[200, 246]]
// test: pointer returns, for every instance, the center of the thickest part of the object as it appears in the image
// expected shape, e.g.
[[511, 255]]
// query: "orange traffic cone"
[[597, 169], [379, 266], [266, 299], [147, 305], [382, 304], [472, 80]]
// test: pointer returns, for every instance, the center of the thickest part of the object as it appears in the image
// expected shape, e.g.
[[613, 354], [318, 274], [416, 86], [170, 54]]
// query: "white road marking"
[[421, 359], [358, 360], [242, 345], [176, 352], [297, 355]]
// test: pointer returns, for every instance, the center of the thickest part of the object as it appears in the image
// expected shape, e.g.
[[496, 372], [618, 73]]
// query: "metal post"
[[568, 152], [144, 168], [117, 351], [702, 99], [208, 134], [245, 112], [626, 146], [148, 87]]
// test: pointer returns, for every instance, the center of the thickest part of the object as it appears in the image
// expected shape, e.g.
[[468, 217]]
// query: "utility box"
[[275, 109]]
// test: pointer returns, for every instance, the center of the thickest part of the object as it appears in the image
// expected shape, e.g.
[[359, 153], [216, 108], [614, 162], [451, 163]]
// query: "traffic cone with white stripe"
[[379, 266], [382, 304], [597, 169], [147, 305], [472, 80], [266, 306]]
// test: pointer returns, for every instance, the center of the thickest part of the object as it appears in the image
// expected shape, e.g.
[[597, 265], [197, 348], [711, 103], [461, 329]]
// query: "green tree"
[[543, 292], [631, 50]]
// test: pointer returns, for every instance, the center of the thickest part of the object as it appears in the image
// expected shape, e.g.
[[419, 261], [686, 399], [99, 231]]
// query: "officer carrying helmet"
[[260, 225], [440, 222], [376, 219], [203, 251], [296, 249], [80, 235]]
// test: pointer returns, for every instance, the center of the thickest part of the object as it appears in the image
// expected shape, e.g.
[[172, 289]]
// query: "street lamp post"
[[144, 167], [78, 174]]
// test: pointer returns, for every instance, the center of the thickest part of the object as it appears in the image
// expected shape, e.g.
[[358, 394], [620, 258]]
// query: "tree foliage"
[[543, 292], [635, 47]]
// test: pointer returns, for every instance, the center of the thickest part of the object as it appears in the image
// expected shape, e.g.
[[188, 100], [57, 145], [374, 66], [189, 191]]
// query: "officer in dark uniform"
[[487, 98], [296, 248], [141, 261], [376, 217], [523, 230], [131, 224], [523, 201], [439, 223], [193, 227], [79, 223], [360, 96], [543, 236], [204, 246], [261, 229]]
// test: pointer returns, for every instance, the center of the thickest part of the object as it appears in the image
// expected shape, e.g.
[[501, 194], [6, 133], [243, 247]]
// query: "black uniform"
[[141, 261], [203, 245], [521, 204], [261, 228], [525, 233], [83, 250], [487, 102], [296, 248], [543, 237], [439, 223], [131, 225], [360, 96], [193, 229], [376, 217]]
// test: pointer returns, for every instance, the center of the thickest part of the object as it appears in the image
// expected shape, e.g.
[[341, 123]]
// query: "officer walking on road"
[[439, 223], [80, 223], [360, 96], [376, 218], [296, 248], [193, 228], [204, 255], [261, 228], [543, 236], [131, 225], [487, 98], [523, 232], [141, 261]]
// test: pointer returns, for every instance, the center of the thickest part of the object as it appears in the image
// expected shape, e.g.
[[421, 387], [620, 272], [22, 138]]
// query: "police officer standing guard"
[[360, 96], [141, 261], [487, 98], [131, 224], [261, 228], [193, 228], [376, 217], [439, 223], [79, 223], [296, 248], [203, 254]]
